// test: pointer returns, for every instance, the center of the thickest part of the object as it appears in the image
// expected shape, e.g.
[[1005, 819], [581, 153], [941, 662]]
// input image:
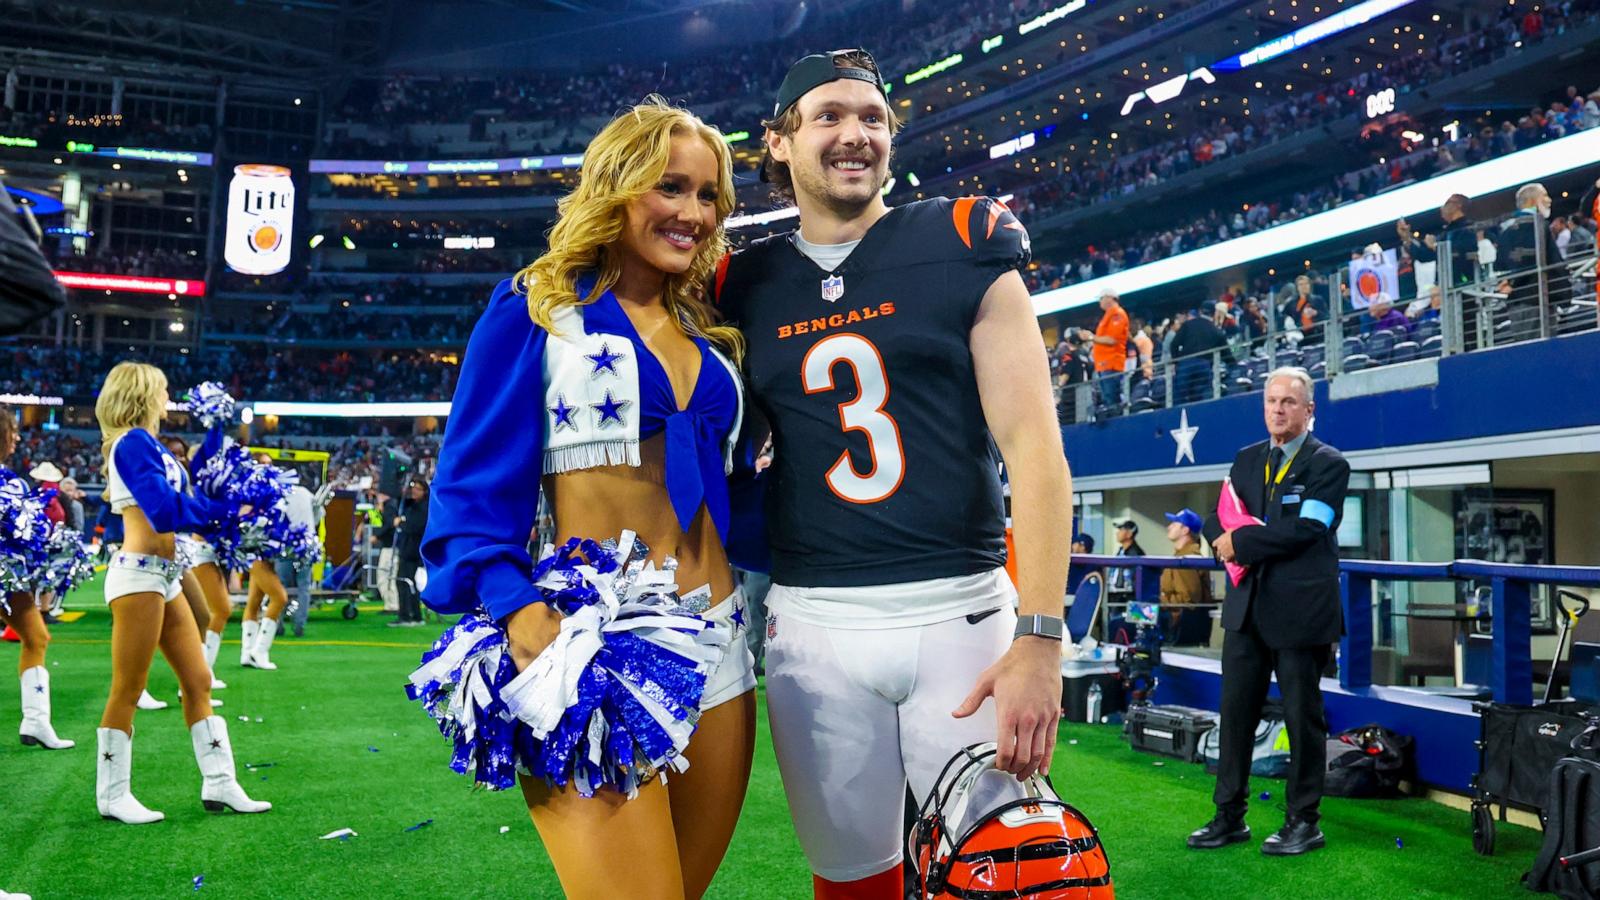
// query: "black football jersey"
[[884, 470]]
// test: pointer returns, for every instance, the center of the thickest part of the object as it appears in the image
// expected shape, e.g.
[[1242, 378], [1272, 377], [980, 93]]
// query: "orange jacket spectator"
[[1111, 336]]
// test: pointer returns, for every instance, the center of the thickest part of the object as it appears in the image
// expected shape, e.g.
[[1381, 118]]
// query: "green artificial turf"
[[347, 750]]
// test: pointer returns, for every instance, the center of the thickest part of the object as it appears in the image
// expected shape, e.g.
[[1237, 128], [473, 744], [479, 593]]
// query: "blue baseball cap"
[[1188, 518], [1086, 541]]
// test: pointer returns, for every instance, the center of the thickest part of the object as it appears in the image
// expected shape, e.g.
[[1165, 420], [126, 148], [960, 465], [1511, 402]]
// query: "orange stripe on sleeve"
[[962, 213]]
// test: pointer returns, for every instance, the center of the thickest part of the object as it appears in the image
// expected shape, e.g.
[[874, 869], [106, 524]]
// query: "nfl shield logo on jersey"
[[832, 288]]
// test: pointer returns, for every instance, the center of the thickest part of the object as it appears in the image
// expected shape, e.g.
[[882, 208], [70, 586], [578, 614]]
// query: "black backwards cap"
[[814, 71]]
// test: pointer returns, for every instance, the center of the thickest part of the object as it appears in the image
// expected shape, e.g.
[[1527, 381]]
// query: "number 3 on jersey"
[[864, 414]]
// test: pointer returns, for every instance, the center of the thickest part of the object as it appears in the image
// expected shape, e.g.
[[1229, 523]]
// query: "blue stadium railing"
[[1511, 607]]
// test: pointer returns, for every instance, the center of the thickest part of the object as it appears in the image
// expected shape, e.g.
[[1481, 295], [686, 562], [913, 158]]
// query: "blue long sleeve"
[[208, 449], [485, 497], [140, 465]]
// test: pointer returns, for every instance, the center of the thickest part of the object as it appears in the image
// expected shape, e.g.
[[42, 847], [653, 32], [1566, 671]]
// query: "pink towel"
[[1231, 514]]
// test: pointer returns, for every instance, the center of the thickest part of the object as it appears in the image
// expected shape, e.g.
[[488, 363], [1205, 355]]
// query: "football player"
[[896, 356]]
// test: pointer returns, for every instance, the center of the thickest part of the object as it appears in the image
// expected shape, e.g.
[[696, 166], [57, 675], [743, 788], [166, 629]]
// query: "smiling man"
[[896, 356]]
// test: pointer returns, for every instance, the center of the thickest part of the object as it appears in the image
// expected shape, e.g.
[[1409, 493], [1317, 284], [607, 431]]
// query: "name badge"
[[1291, 498]]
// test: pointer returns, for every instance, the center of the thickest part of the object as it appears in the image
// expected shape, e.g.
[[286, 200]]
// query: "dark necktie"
[[1274, 461]]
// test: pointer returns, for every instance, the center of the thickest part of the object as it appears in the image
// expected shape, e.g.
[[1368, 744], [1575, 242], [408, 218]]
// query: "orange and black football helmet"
[[1035, 848]]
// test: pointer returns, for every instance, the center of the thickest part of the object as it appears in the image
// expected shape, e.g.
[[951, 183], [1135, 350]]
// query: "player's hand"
[[1026, 686], [1223, 546], [531, 629]]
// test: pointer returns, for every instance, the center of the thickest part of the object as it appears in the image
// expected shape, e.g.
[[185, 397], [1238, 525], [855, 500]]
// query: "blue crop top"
[[143, 473], [529, 402]]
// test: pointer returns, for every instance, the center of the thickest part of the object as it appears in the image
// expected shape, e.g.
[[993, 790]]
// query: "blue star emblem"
[[604, 361], [38, 689], [563, 414], [610, 410], [738, 616]]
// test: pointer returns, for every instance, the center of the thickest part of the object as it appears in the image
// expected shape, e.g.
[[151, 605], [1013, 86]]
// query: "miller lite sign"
[[260, 219]]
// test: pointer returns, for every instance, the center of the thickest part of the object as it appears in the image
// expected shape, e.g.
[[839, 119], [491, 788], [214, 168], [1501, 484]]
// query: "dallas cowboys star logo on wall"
[[610, 410], [563, 414], [1184, 435], [604, 361]]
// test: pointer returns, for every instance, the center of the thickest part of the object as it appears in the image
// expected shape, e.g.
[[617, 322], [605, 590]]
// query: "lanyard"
[[1271, 482]]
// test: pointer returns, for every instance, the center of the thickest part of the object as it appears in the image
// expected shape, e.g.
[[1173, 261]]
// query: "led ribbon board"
[[1554, 157], [351, 410], [132, 284], [1043, 20], [1355, 16], [147, 154], [445, 166]]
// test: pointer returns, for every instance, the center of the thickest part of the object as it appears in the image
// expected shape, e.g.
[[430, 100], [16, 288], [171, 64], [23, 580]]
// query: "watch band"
[[1039, 626]]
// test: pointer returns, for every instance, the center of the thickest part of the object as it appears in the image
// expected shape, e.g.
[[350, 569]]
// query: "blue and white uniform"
[[142, 473], [603, 393]]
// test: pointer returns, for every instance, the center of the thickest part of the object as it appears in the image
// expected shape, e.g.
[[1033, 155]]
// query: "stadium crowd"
[[905, 38], [1093, 176]]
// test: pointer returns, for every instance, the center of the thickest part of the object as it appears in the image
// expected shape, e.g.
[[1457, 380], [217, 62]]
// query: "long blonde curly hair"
[[130, 398], [624, 162]]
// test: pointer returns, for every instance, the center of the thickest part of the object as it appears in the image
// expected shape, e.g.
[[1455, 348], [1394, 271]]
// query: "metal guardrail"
[[1520, 295], [1511, 607]]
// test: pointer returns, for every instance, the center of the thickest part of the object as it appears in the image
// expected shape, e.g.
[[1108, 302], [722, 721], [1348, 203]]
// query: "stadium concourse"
[[310, 205]]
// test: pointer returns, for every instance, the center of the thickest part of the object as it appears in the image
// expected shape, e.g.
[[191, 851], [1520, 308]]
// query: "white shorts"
[[142, 573], [194, 551], [856, 714], [737, 672]]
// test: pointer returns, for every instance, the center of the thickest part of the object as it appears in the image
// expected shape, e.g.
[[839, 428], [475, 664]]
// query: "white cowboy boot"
[[262, 655], [148, 702], [219, 787], [112, 770], [36, 730], [213, 644], [247, 643]]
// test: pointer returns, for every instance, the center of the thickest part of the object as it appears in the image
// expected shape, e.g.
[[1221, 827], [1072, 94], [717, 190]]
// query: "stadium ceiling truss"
[[187, 36]]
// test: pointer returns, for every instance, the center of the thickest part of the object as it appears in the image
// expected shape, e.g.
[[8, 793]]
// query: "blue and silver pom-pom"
[[265, 532], [24, 532], [68, 564], [210, 404], [610, 703], [303, 545]]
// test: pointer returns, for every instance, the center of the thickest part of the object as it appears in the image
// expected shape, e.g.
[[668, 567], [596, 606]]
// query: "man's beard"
[[816, 184]]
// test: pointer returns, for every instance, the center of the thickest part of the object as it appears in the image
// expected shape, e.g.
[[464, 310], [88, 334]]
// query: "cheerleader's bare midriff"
[[139, 536], [600, 502]]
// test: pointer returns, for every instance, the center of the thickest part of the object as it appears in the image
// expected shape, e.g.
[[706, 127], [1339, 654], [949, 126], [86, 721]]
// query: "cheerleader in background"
[[145, 484], [211, 406], [264, 605], [251, 541], [26, 535]]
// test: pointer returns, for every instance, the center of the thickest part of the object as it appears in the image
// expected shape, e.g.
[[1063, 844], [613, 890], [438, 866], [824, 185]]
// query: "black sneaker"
[[1219, 832], [1297, 836]]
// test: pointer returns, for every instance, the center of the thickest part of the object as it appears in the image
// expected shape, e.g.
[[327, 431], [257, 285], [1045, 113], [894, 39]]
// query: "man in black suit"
[[1284, 614]]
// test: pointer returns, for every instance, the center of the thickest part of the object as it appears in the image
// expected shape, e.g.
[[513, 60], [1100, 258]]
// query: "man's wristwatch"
[[1039, 626]]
